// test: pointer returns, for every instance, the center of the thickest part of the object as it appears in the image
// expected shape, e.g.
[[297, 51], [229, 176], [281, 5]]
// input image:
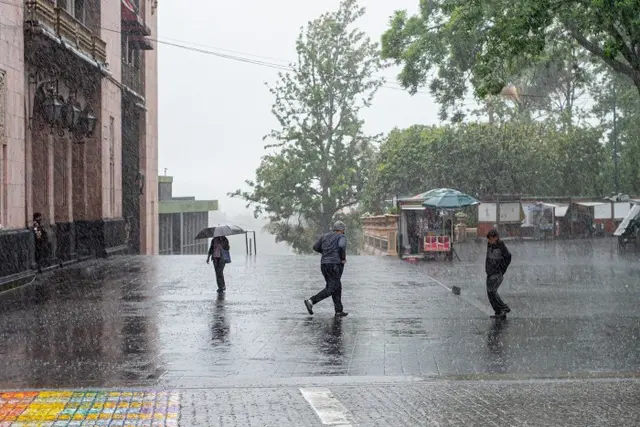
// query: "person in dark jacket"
[[333, 248], [41, 241], [498, 260], [218, 244]]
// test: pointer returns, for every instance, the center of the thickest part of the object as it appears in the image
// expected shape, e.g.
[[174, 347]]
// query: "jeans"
[[332, 274], [218, 265], [493, 283]]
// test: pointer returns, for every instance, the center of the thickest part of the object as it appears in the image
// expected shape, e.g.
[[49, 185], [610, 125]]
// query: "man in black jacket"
[[333, 248], [498, 260]]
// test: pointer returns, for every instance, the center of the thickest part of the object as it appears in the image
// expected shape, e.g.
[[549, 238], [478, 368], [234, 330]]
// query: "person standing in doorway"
[[41, 241], [218, 244], [333, 247], [496, 264]]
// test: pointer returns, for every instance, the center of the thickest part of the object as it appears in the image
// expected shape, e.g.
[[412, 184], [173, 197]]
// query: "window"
[[76, 8], [130, 55], [79, 10]]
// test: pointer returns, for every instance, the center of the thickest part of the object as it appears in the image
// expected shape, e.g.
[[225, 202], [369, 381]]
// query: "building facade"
[[78, 128], [181, 218]]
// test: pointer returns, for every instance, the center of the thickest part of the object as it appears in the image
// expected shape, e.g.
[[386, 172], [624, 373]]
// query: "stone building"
[[78, 128]]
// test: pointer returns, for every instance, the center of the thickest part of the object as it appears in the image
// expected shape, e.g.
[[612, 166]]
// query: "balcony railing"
[[133, 78], [43, 13]]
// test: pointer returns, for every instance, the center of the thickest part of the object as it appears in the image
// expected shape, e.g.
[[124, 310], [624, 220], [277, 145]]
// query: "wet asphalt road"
[[158, 322]]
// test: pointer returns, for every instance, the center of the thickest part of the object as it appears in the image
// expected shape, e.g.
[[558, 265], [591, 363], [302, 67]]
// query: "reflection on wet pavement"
[[142, 321]]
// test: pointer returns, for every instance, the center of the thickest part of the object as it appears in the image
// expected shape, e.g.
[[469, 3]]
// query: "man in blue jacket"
[[496, 264], [333, 248]]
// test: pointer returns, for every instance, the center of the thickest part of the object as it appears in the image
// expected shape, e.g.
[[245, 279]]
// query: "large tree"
[[527, 158], [319, 153], [489, 43], [617, 107]]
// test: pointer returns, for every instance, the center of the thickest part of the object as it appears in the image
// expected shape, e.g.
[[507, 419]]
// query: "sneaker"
[[342, 314], [507, 310], [309, 306], [502, 315]]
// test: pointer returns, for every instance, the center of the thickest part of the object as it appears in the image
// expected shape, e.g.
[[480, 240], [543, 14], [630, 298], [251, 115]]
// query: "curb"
[[27, 277]]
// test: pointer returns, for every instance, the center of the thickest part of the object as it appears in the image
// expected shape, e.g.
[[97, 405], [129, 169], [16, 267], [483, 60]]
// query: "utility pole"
[[616, 182]]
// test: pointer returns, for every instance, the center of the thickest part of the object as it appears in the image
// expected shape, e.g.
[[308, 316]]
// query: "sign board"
[[487, 212], [510, 212], [437, 243], [602, 211]]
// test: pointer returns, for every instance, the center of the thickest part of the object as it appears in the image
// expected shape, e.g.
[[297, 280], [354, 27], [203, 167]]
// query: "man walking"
[[333, 248], [498, 260]]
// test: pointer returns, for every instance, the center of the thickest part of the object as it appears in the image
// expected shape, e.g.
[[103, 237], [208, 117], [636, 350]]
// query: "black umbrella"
[[219, 230]]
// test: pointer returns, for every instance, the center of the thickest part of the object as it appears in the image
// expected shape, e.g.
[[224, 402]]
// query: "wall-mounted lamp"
[[87, 122], [52, 107], [71, 114]]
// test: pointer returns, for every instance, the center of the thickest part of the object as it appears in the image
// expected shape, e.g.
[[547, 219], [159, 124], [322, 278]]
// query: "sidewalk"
[[459, 403], [156, 324]]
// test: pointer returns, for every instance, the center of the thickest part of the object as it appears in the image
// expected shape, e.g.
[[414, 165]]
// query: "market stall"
[[427, 223]]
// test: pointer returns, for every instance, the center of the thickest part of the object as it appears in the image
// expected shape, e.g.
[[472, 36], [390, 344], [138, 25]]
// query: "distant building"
[[181, 218]]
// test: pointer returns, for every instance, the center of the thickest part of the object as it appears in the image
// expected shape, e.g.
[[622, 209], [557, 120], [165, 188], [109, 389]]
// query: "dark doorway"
[[131, 179]]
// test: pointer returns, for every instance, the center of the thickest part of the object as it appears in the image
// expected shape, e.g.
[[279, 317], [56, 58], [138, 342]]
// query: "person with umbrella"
[[218, 245], [219, 249], [333, 248]]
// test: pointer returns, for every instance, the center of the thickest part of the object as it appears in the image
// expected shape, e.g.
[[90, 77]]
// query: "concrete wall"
[[149, 146], [111, 108], [12, 116]]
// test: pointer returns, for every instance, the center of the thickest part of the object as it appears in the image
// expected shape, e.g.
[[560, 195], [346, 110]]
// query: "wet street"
[[409, 353]]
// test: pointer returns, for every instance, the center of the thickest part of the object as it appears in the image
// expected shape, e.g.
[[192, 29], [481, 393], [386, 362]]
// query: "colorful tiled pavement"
[[89, 408]]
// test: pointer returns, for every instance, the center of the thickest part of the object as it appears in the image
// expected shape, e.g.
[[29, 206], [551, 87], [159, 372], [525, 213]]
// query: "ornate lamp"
[[71, 114], [88, 122], [52, 107]]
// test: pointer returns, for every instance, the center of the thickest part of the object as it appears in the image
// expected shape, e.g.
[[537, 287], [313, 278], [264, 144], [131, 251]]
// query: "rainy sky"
[[215, 111]]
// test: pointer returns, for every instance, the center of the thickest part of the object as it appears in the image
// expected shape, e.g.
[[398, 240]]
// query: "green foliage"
[[319, 153], [485, 159], [609, 91], [492, 43]]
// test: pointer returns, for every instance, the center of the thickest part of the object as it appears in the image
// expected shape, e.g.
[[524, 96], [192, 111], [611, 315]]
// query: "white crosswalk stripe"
[[329, 409]]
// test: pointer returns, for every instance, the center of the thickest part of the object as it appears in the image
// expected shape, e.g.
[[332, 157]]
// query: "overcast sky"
[[215, 111]]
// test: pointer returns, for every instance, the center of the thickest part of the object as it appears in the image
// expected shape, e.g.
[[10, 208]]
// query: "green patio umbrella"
[[448, 198]]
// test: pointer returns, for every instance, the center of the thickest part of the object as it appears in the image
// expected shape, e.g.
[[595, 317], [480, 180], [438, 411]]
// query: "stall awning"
[[412, 207], [140, 43], [561, 211], [132, 22], [590, 204]]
